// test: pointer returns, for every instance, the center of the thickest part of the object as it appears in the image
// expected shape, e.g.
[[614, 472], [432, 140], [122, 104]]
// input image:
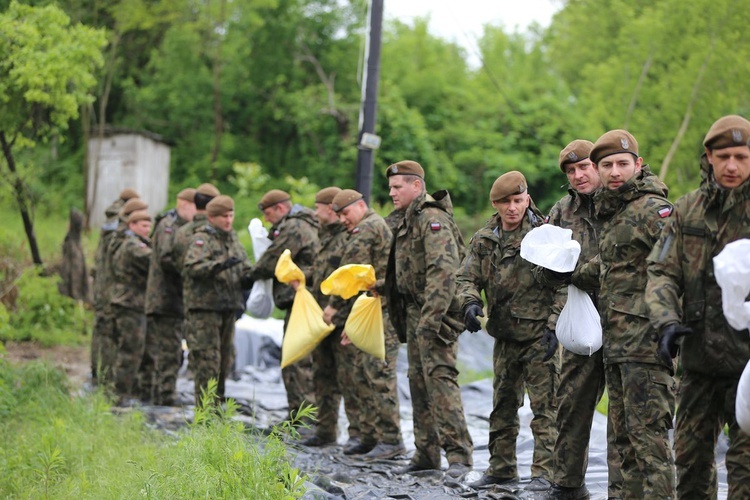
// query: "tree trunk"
[[634, 97]]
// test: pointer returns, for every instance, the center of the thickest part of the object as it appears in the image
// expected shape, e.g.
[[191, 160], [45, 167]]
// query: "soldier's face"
[[731, 165], [583, 176], [403, 190], [142, 228], [274, 213], [186, 209], [325, 214], [615, 170], [511, 210], [352, 215], [223, 221]]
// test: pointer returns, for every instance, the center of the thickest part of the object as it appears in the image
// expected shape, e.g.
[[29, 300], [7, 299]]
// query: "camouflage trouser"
[[298, 380], [641, 406], [518, 366], [352, 404], [210, 337], [582, 384], [705, 405], [375, 380], [103, 348], [162, 359], [130, 333], [438, 411], [328, 361]]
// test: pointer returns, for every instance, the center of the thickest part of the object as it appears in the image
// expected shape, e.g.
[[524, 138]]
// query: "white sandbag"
[[260, 302], [259, 236], [551, 247], [742, 402], [732, 271], [579, 328]]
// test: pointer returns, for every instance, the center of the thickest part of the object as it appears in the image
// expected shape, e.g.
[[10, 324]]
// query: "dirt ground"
[[74, 360]]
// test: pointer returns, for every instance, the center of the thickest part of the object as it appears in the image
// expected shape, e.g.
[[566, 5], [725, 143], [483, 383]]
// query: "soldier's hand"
[[549, 339], [669, 341], [471, 312], [328, 314], [345, 340], [562, 278], [230, 262]]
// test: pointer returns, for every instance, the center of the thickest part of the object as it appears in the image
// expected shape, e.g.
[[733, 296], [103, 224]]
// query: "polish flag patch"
[[665, 211], [355, 230], [276, 232], [168, 230], [435, 226], [199, 243]]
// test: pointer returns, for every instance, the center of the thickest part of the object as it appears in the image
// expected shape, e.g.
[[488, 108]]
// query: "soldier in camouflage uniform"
[[294, 227], [212, 288], [423, 305], [521, 318], [203, 195], [75, 279], [164, 311], [130, 265], [682, 290], [633, 209]]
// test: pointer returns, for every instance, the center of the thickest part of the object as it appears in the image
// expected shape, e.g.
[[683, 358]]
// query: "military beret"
[[220, 205], [132, 205], [728, 131], [345, 198], [612, 143], [187, 194], [574, 152], [127, 194], [326, 195], [208, 190], [508, 184], [138, 215], [273, 197], [405, 167]]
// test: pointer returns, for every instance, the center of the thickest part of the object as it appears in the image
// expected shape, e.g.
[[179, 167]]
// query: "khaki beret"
[[612, 143], [127, 194], [326, 195], [208, 190], [273, 197], [574, 152], [187, 194], [138, 215], [345, 198], [508, 184], [132, 205], [728, 131], [405, 167], [220, 205]]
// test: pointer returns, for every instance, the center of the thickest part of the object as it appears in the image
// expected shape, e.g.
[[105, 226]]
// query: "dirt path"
[[73, 360]]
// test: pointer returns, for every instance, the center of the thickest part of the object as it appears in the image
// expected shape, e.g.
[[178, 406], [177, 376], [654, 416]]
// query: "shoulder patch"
[[199, 243], [168, 230], [546, 220], [665, 211], [355, 230], [276, 232], [435, 226], [142, 244]]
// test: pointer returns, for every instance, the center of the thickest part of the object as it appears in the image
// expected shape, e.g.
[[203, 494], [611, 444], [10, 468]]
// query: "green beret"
[[131, 206], [326, 195], [508, 184], [405, 167], [139, 215], [273, 197], [220, 205], [345, 198], [728, 131], [127, 194], [208, 190], [612, 143], [187, 194], [574, 152]]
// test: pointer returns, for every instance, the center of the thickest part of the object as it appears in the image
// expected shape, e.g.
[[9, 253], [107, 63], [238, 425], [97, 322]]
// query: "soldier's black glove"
[[669, 341], [549, 339], [562, 278], [230, 262], [470, 317]]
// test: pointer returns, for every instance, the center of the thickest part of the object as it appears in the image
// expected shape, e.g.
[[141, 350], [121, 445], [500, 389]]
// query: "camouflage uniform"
[[518, 310], [165, 314], [75, 279], [130, 265], [297, 231], [682, 289], [182, 237], [212, 297], [374, 379], [423, 305], [640, 388]]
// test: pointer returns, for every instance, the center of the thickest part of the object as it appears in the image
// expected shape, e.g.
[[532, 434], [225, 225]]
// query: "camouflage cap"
[[127, 194], [612, 143], [220, 205], [326, 195], [574, 152], [139, 215], [728, 131], [132, 205], [187, 194], [273, 197], [345, 198], [208, 189], [508, 184], [405, 167]]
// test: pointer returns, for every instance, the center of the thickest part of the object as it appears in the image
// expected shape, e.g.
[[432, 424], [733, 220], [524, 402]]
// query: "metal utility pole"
[[368, 141]]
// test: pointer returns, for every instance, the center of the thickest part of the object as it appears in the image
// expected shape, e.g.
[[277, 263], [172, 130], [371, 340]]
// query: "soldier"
[[213, 283], [164, 309], [374, 379], [203, 195], [633, 209], [522, 321], [684, 298], [423, 305], [75, 279], [130, 264], [293, 227]]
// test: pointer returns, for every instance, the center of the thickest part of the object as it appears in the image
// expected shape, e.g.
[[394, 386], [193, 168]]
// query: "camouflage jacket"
[[182, 238], [130, 265], [632, 220], [205, 286], [164, 289], [518, 308], [297, 231], [333, 239], [102, 260], [681, 283], [425, 255]]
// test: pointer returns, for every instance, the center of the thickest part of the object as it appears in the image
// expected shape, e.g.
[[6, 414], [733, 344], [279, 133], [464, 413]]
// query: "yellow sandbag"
[[306, 328], [364, 326], [287, 271], [347, 281]]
